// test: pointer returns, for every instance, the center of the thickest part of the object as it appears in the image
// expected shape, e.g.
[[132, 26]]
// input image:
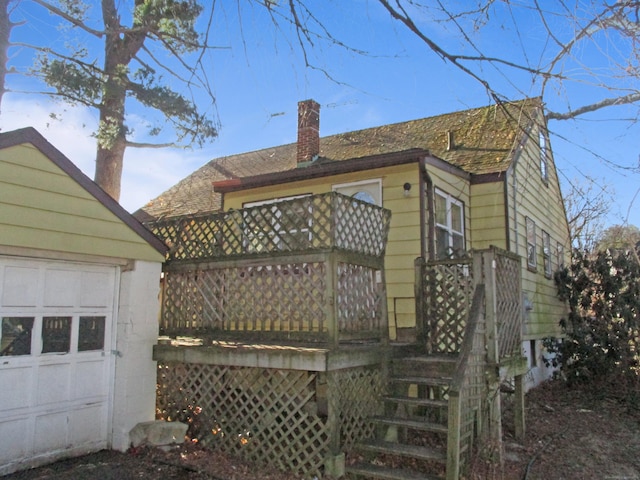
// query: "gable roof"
[[479, 141], [32, 137]]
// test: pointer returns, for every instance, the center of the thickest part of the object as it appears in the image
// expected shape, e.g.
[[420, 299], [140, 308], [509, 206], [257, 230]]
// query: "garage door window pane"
[[56, 334], [91, 334], [16, 336]]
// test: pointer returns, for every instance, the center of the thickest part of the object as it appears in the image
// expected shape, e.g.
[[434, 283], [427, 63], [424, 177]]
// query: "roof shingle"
[[482, 140]]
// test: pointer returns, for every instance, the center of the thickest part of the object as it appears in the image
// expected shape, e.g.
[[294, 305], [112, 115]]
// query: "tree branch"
[[74, 21], [607, 102]]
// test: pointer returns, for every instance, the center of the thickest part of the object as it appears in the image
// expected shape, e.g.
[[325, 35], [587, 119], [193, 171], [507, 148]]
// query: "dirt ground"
[[570, 435]]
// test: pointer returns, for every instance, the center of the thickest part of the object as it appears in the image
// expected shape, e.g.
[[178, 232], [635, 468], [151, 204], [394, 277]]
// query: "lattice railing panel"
[[468, 389], [302, 224], [359, 299], [447, 297], [275, 298], [271, 417], [360, 228], [474, 391], [355, 394], [508, 304]]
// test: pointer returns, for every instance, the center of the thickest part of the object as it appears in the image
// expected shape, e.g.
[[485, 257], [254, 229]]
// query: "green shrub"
[[602, 330]]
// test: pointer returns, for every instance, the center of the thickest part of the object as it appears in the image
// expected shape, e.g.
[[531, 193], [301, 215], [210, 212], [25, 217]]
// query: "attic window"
[[543, 156]]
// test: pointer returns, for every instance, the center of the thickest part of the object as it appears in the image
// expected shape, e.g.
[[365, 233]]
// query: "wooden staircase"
[[411, 440]]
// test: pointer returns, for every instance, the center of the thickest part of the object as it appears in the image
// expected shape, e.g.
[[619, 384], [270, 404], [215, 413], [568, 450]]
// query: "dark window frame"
[[546, 254], [532, 252]]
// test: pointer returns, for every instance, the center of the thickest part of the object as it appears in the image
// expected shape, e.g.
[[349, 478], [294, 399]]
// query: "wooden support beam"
[[519, 408]]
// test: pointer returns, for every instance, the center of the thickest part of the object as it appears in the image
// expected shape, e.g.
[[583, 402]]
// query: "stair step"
[[428, 359], [430, 381], [386, 473], [412, 451], [420, 402], [416, 424]]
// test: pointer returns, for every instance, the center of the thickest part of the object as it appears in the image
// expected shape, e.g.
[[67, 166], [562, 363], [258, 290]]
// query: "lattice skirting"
[[288, 419]]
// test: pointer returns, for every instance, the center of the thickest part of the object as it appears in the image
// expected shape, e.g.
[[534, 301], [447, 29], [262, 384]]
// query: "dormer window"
[[543, 157]]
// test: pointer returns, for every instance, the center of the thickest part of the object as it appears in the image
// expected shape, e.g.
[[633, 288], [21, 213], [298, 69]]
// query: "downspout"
[[427, 232]]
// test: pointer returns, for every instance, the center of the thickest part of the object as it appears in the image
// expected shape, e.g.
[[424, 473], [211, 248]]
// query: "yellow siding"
[[488, 216], [541, 201], [41, 207]]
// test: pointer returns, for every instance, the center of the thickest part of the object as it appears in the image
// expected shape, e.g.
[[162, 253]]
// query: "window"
[[531, 243], [91, 333], [285, 225], [543, 157], [15, 336], [56, 334], [369, 191], [449, 216], [533, 354], [17, 332], [560, 255], [546, 254]]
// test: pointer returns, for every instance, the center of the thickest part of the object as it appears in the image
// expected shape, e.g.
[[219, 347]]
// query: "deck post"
[[453, 437], [493, 354], [419, 294], [331, 300], [519, 408]]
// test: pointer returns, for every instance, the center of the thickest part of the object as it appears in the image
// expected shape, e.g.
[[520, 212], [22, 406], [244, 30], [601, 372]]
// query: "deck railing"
[[303, 224], [444, 291], [310, 269], [468, 389]]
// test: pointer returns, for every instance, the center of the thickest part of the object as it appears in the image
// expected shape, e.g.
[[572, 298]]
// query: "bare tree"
[[577, 39], [619, 237], [586, 53], [587, 205]]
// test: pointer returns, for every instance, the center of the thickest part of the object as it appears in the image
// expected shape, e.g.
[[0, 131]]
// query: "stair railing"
[[468, 388]]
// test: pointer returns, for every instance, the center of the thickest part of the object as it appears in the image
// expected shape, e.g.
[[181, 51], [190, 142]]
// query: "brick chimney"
[[308, 130]]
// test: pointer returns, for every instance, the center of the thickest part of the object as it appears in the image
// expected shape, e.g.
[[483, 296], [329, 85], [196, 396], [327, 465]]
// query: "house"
[[485, 177], [78, 310], [375, 276]]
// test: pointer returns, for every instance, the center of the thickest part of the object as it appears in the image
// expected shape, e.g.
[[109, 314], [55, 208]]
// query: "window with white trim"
[[560, 255], [544, 171], [449, 220], [546, 254], [366, 190], [531, 243], [277, 224]]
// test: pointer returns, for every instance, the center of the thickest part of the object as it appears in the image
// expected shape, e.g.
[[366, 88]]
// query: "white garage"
[[78, 310]]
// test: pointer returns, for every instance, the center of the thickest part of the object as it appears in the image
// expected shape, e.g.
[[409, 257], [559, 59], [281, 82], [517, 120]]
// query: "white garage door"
[[55, 362]]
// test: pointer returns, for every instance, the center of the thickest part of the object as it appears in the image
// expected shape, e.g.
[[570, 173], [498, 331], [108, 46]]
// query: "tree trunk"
[[5, 32], [109, 162], [112, 134]]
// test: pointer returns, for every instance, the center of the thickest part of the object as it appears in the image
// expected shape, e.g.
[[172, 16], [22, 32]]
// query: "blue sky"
[[258, 75]]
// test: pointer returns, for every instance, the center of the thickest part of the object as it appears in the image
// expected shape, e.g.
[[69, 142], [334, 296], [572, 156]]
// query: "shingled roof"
[[479, 141]]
